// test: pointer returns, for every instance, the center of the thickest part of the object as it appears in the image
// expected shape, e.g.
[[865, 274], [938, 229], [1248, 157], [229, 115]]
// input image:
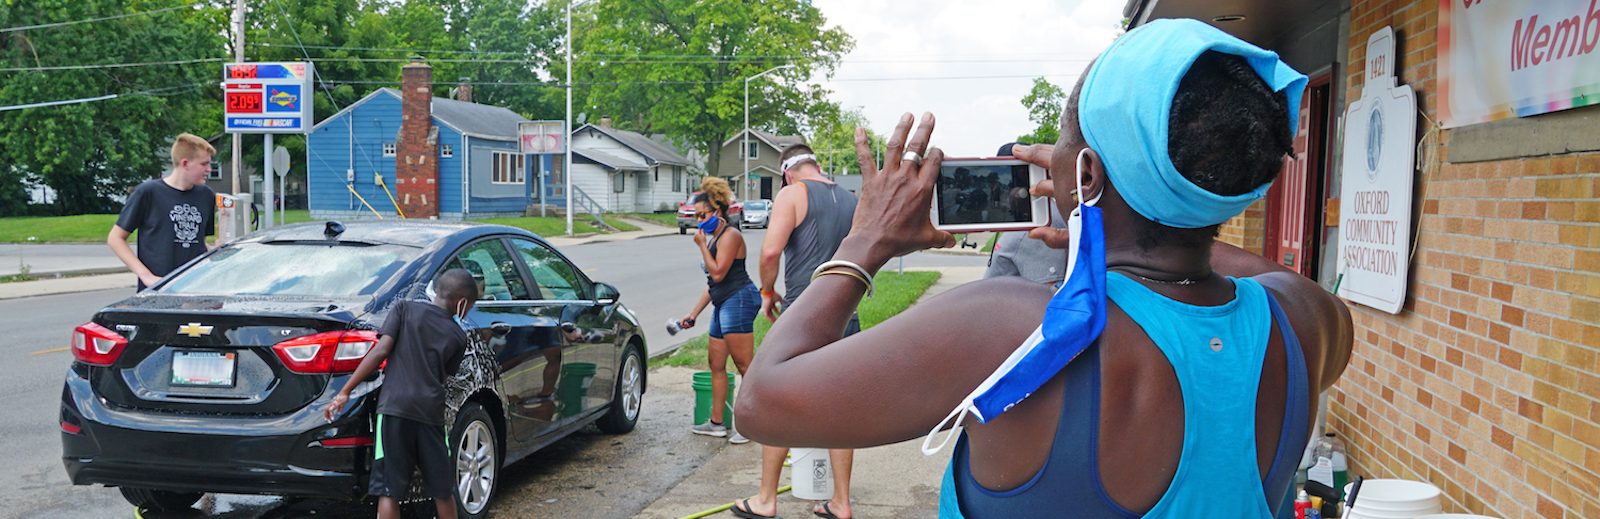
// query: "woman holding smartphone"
[[729, 288]]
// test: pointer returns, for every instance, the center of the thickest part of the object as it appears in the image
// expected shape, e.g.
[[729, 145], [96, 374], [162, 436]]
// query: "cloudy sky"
[[903, 49]]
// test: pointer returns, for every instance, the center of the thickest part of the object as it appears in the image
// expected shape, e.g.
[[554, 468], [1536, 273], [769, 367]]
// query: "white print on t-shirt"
[[185, 223]]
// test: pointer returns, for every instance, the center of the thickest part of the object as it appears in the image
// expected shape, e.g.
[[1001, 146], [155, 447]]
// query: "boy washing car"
[[427, 345]]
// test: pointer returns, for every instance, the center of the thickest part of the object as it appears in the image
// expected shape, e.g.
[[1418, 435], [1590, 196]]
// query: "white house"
[[627, 172]]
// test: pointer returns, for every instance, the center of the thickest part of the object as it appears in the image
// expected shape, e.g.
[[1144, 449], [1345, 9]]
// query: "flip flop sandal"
[[826, 513], [746, 513]]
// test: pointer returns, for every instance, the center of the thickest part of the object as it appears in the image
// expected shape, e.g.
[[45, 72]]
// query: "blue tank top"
[[1217, 475]]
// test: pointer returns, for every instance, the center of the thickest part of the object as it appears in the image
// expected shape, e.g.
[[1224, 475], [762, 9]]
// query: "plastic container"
[[1302, 502], [702, 399], [811, 474], [1395, 499], [1331, 465]]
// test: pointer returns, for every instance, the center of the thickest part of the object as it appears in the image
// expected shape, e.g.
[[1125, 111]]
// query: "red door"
[[1295, 201]]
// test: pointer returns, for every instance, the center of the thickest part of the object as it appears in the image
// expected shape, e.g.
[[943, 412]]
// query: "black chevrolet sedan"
[[214, 380]]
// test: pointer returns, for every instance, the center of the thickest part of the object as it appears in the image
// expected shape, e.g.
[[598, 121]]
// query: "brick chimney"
[[464, 90], [605, 121], [416, 161]]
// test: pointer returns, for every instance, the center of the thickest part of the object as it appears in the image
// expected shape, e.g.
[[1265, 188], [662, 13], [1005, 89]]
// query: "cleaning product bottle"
[[1302, 503], [1332, 467]]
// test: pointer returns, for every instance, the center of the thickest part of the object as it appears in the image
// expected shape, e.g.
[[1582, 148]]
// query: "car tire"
[[683, 230], [476, 451], [160, 500], [628, 397]]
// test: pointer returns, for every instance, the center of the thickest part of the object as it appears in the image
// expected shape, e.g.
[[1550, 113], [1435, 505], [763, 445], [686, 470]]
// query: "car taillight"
[[329, 352], [338, 443], [95, 345], [70, 428]]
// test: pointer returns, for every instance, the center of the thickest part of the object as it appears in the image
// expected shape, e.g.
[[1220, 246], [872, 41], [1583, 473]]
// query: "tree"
[[90, 153], [834, 141], [677, 67], [1044, 108]]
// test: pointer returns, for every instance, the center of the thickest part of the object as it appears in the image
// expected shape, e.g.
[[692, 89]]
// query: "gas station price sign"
[[267, 97]]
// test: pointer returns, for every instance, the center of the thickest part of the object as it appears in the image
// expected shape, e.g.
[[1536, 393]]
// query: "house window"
[[508, 168], [754, 150], [447, 151], [619, 182], [558, 182], [677, 179], [388, 149], [216, 171]]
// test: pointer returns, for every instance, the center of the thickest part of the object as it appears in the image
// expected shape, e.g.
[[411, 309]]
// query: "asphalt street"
[[587, 475]]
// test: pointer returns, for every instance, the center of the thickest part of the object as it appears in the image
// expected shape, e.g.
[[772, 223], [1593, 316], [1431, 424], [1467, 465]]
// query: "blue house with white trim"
[[351, 160]]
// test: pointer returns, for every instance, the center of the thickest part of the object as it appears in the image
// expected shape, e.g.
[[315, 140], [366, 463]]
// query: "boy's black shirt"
[[428, 348], [172, 224]]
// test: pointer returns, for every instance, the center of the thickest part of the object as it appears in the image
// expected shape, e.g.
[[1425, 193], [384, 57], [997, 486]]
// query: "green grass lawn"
[[57, 229], [894, 294], [988, 248], [552, 226], [667, 219]]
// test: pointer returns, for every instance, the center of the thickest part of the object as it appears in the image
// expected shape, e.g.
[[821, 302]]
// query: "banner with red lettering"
[[1500, 59]]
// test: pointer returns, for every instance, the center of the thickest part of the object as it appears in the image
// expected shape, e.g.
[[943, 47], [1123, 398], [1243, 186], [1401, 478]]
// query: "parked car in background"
[[686, 219], [757, 213], [214, 379]]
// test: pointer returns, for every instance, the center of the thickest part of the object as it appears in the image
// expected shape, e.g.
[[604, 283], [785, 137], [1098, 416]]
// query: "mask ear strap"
[[959, 414], [1077, 178]]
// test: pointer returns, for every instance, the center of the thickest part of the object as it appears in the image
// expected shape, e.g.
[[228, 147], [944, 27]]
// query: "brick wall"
[[1248, 230], [1487, 384]]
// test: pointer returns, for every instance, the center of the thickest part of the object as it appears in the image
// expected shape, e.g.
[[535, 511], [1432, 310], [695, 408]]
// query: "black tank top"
[[736, 278]]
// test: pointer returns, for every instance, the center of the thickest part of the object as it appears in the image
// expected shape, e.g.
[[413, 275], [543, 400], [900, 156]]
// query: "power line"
[[113, 65], [709, 82], [152, 92], [61, 24]]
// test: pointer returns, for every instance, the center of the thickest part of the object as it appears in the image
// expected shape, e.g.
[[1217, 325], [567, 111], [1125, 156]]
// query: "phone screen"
[[983, 194]]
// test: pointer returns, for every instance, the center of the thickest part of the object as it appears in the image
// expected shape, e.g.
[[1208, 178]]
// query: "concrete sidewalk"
[[889, 481]]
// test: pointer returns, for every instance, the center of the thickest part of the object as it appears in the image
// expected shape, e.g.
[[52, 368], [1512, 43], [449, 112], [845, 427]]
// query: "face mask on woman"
[[710, 225]]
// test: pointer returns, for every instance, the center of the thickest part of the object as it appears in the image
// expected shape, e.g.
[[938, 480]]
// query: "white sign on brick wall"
[[1375, 209]]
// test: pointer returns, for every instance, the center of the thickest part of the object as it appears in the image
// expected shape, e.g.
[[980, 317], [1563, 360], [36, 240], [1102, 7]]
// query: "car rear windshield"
[[300, 269], [757, 205]]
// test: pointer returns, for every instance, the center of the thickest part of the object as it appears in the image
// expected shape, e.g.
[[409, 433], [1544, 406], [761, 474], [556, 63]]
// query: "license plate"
[[203, 368]]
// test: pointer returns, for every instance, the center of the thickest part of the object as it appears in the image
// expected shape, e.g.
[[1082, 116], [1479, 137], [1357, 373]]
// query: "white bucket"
[[1455, 516], [811, 474]]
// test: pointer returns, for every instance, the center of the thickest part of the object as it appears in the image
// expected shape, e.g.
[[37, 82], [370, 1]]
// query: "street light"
[[745, 150]]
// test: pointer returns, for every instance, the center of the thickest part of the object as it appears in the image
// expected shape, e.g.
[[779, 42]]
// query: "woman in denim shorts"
[[728, 287]]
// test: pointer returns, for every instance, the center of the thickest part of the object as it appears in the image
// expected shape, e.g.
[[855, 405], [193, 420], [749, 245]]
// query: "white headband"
[[797, 159]]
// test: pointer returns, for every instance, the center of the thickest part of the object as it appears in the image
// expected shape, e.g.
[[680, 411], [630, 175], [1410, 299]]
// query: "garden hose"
[[781, 490]]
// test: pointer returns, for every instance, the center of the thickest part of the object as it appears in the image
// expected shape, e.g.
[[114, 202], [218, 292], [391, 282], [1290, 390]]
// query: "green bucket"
[[573, 386], [702, 399]]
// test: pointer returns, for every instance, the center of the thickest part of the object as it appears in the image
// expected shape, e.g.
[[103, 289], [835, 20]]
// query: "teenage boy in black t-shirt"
[[424, 344], [173, 215]]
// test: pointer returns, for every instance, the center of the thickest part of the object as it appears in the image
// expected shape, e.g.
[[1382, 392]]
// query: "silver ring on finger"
[[913, 157]]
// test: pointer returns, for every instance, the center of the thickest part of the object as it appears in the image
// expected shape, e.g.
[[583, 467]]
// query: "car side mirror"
[[605, 294]]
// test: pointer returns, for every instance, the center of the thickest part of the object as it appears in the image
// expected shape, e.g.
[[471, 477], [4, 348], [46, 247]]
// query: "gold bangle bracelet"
[[858, 277]]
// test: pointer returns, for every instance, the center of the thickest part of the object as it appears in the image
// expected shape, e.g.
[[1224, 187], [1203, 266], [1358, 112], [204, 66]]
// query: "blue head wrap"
[[1126, 101]]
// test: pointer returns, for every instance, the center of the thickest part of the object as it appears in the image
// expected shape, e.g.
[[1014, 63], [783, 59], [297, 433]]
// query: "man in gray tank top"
[[810, 217]]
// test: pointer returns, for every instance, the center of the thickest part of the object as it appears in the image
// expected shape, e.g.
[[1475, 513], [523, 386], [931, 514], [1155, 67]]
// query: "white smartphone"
[[988, 194]]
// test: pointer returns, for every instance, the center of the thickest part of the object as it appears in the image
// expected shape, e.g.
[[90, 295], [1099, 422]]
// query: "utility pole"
[[238, 56], [566, 169]]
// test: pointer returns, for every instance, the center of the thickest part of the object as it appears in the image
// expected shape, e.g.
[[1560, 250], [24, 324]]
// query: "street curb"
[[957, 252]]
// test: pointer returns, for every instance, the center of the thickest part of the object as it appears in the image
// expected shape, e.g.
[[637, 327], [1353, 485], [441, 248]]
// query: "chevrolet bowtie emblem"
[[194, 330]]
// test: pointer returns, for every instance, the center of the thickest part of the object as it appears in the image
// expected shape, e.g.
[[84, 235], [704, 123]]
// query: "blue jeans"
[[737, 314]]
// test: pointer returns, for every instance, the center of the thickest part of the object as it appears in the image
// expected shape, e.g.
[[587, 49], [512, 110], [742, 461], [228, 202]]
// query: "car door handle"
[[499, 328]]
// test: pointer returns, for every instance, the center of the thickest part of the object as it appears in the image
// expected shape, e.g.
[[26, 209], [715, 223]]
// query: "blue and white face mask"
[[1073, 320], [710, 225]]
